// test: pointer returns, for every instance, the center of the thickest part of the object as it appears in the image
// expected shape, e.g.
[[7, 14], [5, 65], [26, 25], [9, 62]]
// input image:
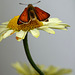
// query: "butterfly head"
[[30, 5]]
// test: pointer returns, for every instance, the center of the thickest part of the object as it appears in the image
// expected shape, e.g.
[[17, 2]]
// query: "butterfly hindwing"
[[19, 22], [41, 15], [23, 17]]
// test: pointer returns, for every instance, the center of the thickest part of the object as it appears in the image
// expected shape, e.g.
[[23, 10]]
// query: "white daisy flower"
[[24, 69], [11, 27]]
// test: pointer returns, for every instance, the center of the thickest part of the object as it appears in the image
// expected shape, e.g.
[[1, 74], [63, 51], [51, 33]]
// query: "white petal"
[[18, 39], [1, 35], [20, 35], [1, 38], [52, 24], [19, 68], [66, 25], [44, 23], [5, 23], [42, 27], [53, 20], [3, 29], [8, 33], [51, 31], [35, 33], [3, 26], [64, 29], [57, 27]]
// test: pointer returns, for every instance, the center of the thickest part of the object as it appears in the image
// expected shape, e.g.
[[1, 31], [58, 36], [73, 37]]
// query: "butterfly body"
[[32, 13]]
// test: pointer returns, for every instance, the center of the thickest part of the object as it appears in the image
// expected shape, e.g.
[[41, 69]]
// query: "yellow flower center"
[[25, 27]]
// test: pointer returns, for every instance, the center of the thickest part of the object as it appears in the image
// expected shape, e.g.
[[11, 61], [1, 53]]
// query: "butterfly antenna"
[[27, 4], [37, 2], [23, 4]]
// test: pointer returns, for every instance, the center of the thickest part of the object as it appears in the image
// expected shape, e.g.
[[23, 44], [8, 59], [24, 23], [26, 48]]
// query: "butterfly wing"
[[19, 22], [23, 17], [41, 15]]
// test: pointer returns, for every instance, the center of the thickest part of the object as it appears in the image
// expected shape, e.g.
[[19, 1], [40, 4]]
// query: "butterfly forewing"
[[41, 15], [23, 17]]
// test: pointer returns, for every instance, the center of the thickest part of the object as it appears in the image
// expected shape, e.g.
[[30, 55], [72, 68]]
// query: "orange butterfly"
[[30, 13]]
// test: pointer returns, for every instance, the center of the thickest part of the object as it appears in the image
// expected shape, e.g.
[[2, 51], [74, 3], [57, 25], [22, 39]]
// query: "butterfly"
[[31, 13]]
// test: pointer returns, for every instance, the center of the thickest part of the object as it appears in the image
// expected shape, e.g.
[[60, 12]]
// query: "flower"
[[24, 69], [11, 27]]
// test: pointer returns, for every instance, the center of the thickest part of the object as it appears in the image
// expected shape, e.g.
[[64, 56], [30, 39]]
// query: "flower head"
[[11, 27], [24, 69]]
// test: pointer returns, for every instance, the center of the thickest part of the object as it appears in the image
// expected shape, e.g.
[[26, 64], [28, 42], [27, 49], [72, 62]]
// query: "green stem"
[[25, 42]]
